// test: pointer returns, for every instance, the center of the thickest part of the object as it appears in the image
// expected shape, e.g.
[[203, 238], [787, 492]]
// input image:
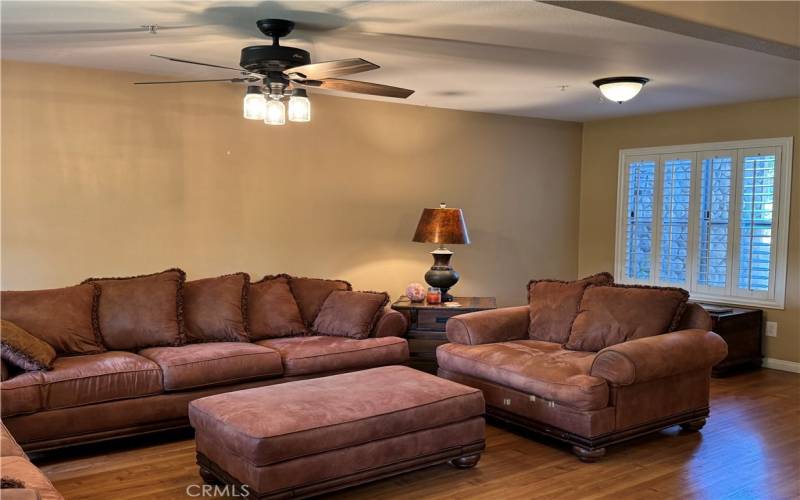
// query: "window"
[[710, 218]]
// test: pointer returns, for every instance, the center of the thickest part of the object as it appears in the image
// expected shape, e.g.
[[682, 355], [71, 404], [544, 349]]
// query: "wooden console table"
[[426, 326]]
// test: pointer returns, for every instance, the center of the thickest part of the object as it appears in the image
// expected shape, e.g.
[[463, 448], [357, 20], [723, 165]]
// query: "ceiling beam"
[[635, 15]]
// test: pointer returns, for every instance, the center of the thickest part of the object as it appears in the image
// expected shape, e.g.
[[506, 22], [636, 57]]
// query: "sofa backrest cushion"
[[23, 350], [272, 310], [215, 309], [310, 294], [554, 305], [350, 314], [614, 314], [141, 311], [65, 318]]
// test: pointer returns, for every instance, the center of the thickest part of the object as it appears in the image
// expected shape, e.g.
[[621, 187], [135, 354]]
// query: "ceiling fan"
[[276, 72]]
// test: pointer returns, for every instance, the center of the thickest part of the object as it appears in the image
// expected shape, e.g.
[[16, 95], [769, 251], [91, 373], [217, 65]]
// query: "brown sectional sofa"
[[16, 467], [116, 393], [587, 399]]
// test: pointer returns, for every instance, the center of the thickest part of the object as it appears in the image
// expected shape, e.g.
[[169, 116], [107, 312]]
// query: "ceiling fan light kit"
[[276, 72], [620, 88]]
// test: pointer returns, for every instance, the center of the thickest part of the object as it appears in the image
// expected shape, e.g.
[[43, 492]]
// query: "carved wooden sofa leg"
[[465, 462], [694, 425], [588, 454]]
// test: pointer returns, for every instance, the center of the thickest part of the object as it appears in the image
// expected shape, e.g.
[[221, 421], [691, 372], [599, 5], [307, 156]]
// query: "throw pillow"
[[65, 318], [554, 305], [350, 314], [310, 294], [272, 310], [141, 311], [614, 314], [23, 350], [215, 309]]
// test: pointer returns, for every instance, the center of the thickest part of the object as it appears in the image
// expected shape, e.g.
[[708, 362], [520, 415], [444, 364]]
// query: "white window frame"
[[782, 146]]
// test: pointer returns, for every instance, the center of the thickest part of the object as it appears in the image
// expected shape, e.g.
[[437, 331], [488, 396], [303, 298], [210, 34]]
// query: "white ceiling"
[[499, 57]]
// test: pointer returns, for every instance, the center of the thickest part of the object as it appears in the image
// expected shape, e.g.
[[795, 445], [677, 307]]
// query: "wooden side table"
[[426, 326], [741, 329]]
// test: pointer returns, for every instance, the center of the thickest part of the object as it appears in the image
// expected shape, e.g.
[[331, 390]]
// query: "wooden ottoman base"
[[463, 458]]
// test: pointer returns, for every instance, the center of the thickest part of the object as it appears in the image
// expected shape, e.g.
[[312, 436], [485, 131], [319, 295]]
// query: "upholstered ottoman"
[[313, 436]]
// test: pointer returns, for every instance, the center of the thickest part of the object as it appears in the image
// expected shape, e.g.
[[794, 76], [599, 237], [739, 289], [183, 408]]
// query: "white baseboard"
[[779, 364]]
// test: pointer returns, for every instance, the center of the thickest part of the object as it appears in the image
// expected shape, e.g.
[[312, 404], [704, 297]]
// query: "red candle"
[[434, 296]]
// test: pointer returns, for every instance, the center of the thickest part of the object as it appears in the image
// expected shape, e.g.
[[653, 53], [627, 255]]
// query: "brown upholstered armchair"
[[587, 399]]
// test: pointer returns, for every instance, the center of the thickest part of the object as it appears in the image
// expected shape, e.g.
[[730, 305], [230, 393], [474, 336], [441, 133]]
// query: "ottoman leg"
[[208, 476], [588, 454], [466, 462]]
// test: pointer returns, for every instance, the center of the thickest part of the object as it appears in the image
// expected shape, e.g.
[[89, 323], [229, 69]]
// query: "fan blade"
[[318, 71], [232, 80], [195, 62], [359, 87], [110, 31]]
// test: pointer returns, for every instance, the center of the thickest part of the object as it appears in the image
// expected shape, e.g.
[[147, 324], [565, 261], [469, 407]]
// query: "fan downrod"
[[275, 28]]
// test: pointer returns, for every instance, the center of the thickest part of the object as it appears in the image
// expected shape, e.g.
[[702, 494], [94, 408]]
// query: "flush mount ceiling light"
[[620, 88]]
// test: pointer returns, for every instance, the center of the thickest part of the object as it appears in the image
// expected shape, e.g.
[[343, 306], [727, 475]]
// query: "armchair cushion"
[[484, 327], [272, 310], [554, 305], [661, 356], [215, 309], [614, 314], [537, 368], [23, 350], [350, 314]]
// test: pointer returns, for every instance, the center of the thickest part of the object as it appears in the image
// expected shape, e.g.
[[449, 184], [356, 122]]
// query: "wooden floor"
[[749, 449]]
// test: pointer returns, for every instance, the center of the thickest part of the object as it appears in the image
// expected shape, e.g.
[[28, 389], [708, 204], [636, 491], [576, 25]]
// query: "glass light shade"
[[255, 106], [622, 88], [299, 109], [276, 113]]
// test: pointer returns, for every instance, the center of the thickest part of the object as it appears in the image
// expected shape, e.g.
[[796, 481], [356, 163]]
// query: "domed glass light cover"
[[621, 88]]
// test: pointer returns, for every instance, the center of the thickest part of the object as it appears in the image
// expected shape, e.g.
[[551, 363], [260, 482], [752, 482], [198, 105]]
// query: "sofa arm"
[[390, 323], [656, 357], [486, 327]]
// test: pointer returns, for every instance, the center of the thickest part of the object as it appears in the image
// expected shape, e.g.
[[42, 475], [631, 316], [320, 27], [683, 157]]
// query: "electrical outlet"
[[772, 329]]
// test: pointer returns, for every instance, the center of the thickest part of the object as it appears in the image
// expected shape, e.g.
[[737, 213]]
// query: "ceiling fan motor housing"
[[265, 58]]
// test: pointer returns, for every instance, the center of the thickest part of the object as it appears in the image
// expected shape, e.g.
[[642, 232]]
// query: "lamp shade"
[[443, 226]]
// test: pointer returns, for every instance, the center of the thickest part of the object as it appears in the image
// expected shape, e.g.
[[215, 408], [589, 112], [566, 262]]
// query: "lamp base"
[[441, 275]]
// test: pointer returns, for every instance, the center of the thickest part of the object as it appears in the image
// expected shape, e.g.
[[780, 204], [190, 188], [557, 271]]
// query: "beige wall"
[[776, 21], [103, 178], [602, 141]]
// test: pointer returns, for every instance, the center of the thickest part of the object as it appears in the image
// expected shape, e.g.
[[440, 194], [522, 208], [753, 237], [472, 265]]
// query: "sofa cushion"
[[215, 309], [272, 310], [83, 380], [65, 318], [310, 294], [21, 393], [23, 350], [141, 311], [350, 314], [20, 469], [542, 369], [554, 305], [320, 354], [201, 365], [613, 314]]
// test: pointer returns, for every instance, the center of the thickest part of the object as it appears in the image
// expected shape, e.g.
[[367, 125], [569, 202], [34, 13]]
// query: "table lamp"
[[444, 226]]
